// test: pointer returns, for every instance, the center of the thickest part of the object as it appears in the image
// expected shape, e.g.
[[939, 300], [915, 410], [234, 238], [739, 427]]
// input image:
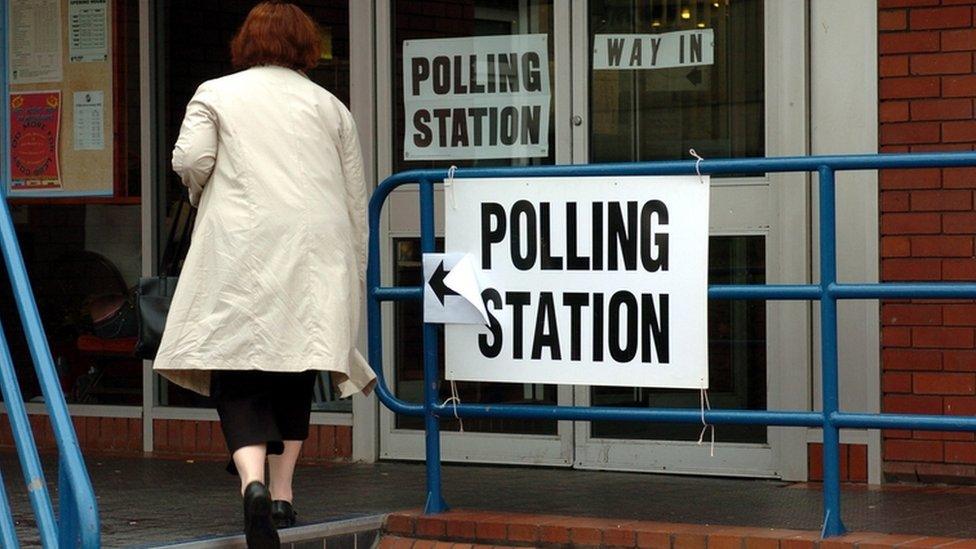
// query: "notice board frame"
[[118, 191]]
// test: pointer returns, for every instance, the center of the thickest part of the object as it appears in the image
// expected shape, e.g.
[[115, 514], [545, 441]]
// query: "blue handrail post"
[[30, 462], [435, 499], [68, 521], [832, 524], [8, 531], [83, 500]]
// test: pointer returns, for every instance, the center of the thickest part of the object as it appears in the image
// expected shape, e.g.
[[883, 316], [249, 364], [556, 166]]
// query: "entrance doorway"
[[187, 53], [748, 102]]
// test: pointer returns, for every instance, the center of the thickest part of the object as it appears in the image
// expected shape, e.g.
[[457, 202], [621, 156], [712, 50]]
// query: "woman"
[[271, 289]]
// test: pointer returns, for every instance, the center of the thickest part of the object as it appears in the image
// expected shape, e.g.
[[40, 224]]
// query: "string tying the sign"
[[455, 400], [705, 425], [697, 164], [449, 185]]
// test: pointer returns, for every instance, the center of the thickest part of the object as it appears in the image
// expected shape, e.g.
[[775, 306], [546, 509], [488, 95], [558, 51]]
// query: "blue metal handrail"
[[828, 291], [78, 512]]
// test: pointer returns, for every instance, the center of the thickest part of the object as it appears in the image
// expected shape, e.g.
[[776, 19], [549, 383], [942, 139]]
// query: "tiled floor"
[[147, 501]]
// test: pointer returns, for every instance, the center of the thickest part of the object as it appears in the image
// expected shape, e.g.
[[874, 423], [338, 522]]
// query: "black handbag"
[[156, 292], [113, 316]]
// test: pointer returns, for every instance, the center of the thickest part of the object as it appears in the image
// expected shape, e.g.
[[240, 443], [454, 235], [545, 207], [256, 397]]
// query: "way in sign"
[[654, 51]]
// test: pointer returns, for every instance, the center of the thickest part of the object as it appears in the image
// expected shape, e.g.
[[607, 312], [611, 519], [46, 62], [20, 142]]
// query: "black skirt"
[[258, 407]]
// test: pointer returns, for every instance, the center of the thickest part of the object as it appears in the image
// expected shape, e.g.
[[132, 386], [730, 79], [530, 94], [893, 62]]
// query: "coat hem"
[[195, 375]]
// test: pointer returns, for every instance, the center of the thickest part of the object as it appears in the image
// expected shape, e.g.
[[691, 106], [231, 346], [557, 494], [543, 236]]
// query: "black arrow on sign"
[[437, 284], [695, 76]]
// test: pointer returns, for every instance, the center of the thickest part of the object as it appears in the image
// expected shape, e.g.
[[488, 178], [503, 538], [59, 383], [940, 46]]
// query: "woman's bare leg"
[[283, 470], [250, 463]]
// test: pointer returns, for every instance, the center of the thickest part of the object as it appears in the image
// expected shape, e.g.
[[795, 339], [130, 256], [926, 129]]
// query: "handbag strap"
[[178, 239]]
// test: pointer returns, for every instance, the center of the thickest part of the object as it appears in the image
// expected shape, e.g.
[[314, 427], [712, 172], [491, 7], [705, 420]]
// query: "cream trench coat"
[[274, 276]]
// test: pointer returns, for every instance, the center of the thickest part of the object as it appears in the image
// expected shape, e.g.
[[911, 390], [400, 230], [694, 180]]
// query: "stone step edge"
[[515, 529], [397, 542], [297, 534]]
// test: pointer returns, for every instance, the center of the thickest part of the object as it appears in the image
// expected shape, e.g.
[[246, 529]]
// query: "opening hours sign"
[[592, 281]]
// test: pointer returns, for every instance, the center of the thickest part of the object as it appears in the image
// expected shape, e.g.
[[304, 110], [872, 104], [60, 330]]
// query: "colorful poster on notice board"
[[35, 125]]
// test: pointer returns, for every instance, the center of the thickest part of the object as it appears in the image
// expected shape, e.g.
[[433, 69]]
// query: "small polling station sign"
[[478, 97], [591, 281], [654, 51]]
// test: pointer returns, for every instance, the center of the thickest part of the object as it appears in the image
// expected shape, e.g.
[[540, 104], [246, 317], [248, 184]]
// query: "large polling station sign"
[[593, 281], [480, 97]]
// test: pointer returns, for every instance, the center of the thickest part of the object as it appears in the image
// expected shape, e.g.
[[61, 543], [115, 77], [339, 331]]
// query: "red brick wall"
[[853, 462], [927, 89], [105, 436], [203, 439]]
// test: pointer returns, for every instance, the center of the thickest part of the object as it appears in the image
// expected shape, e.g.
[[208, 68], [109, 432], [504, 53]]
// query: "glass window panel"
[[658, 114], [82, 257], [736, 361], [414, 19], [197, 49]]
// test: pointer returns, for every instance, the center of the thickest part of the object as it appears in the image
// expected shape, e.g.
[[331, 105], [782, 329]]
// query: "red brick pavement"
[[471, 529]]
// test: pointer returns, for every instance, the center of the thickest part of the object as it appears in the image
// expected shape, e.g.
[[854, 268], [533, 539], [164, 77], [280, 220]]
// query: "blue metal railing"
[[828, 291], [77, 509]]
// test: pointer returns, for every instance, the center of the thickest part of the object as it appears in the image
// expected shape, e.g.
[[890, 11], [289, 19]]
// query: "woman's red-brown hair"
[[276, 33]]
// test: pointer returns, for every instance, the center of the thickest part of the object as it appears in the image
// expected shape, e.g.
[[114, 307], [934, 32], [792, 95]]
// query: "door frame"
[[787, 202], [401, 219], [786, 225]]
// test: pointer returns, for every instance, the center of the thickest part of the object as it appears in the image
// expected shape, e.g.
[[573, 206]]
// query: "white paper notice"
[[654, 51], [463, 279], [88, 39], [35, 41], [452, 290], [89, 113], [476, 97]]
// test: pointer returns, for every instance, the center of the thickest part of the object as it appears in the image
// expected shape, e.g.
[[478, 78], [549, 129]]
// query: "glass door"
[[453, 32], [734, 86], [653, 79]]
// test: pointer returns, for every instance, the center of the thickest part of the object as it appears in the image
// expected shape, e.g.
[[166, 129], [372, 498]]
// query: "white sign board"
[[35, 41], [654, 51], [479, 97], [88, 36], [89, 115], [591, 281]]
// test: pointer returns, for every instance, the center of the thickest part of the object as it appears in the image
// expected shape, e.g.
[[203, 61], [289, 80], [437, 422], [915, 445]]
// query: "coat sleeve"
[[352, 170], [196, 148]]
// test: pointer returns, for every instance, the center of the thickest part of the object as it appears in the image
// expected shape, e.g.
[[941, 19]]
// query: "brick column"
[[927, 89]]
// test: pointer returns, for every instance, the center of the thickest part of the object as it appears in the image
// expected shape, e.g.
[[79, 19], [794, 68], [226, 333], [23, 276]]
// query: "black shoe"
[[283, 514], [259, 529]]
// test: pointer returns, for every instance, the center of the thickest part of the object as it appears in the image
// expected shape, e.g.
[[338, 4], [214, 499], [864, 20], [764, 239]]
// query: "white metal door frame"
[[780, 200], [776, 206], [401, 219]]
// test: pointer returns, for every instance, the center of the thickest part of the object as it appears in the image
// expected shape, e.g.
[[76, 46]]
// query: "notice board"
[[65, 46]]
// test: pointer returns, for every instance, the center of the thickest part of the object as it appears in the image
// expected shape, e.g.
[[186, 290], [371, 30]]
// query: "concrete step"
[[354, 533], [467, 529]]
